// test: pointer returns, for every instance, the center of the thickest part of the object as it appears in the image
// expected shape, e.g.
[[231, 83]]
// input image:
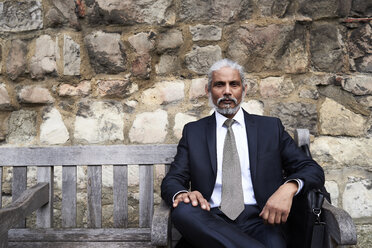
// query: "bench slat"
[[120, 189], [95, 196], [80, 234], [80, 245], [1, 187], [146, 187], [19, 185], [87, 155], [44, 215], [69, 196]]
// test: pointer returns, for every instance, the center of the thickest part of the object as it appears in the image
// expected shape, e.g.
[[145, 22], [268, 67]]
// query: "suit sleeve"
[[297, 165], [178, 177]]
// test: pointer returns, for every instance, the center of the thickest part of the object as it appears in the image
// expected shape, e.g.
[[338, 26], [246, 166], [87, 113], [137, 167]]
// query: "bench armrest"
[[340, 225], [160, 230]]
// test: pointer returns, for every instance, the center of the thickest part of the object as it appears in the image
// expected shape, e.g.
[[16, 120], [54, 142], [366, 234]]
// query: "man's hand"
[[277, 208], [195, 197]]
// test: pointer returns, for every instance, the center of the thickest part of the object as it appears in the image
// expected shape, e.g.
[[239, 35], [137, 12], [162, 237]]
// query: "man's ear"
[[206, 89], [245, 89]]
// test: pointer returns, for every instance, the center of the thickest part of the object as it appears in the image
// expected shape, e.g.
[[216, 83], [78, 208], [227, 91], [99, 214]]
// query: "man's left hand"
[[277, 208]]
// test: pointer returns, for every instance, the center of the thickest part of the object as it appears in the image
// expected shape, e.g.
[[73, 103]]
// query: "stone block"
[[71, 57], [324, 8], [141, 66], [35, 94], [16, 63], [180, 121], [358, 85], [296, 115], [251, 84], [365, 101], [364, 236], [332, 188], [99, 121], [63, 13], [361, 8], [116, 88], [272, 87], [130, 12], [22, 128], [335, 119], [215, 11], [168, 64], [206, 32], [357, 197], [172, 39], [273, 47], [53, 130], [82, 89], [17, 16], [342, 152], [106, 52], [276, 8], [143, 42], [360, 48], [5, 103], [310, 93], [254, 107], [197, 88], [44, 60], [164, 92], [200, 59], [149, 127], [326, 49]]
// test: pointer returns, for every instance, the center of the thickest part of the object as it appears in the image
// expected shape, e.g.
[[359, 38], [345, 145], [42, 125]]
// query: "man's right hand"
[[195, 197]]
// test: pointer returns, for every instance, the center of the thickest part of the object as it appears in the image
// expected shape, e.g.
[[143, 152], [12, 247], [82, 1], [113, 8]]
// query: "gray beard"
[[224, 111]]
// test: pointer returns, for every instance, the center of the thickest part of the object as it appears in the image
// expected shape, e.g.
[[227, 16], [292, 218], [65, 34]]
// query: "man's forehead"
[[225, 72]]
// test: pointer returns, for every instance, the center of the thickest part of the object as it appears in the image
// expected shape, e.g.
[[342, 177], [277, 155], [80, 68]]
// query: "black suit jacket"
[[273, 156]]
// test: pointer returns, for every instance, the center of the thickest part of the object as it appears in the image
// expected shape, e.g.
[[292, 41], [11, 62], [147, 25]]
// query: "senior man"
[[235, 174]]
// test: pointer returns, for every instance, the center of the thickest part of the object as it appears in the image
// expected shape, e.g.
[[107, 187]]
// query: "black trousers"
[[204, 229]]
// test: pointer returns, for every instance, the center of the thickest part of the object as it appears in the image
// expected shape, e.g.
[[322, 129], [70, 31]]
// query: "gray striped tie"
[[232, 200]]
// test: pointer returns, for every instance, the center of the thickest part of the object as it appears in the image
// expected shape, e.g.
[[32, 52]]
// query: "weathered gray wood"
[[95, 196], [4, 240], [44, 215], [302, 137], [160, 225], [19, 185], [1, 186], [69, 196], [146, 188], [87, 155], [80, 245], [80, 234], [30, 200], [120, 196], [340, 225]]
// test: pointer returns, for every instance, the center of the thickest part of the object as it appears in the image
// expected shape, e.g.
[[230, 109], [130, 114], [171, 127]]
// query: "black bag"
[[306, 225]]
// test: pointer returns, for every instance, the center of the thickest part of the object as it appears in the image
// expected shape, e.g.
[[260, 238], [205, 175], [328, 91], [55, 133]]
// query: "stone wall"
[[133, 72]]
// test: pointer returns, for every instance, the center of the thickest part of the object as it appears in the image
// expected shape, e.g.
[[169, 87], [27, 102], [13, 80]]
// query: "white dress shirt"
[[242, 147]]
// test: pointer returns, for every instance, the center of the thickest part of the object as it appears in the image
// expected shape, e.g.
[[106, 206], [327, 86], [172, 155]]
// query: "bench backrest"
[[45, 158]]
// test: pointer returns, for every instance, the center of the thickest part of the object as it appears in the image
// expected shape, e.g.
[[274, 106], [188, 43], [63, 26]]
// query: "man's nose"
[[227, 90]]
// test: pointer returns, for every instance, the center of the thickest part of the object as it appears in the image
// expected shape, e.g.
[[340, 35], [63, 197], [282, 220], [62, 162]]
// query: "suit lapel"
[[251, 129], [211, 140]]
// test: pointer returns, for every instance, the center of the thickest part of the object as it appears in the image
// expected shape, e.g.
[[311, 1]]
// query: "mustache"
[[227, 99]]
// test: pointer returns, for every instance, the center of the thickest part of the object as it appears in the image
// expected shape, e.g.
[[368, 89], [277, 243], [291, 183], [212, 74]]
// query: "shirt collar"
[[239, 118]]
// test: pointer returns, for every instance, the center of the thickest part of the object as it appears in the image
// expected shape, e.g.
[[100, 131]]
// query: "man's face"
[[226, 91]]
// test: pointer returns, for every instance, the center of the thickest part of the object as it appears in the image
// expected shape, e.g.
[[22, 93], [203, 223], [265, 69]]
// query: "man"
[[226, 183]]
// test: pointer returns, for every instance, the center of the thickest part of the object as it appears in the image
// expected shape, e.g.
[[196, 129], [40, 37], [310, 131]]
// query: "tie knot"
[[228, 123]]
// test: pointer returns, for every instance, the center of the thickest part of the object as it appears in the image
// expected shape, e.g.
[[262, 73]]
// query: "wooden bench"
[[153, 229]]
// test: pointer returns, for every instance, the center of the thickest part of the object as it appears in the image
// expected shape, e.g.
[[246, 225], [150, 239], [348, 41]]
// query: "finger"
[[203, 202], [284, 217], [193, 199], [271, 218], [278, 218]]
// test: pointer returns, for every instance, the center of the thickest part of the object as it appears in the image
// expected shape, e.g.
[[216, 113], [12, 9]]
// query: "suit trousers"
[[201, 228]]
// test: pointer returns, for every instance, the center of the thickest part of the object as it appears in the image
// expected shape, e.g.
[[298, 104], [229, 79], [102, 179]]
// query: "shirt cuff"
[[300, 184], [181, 191]]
